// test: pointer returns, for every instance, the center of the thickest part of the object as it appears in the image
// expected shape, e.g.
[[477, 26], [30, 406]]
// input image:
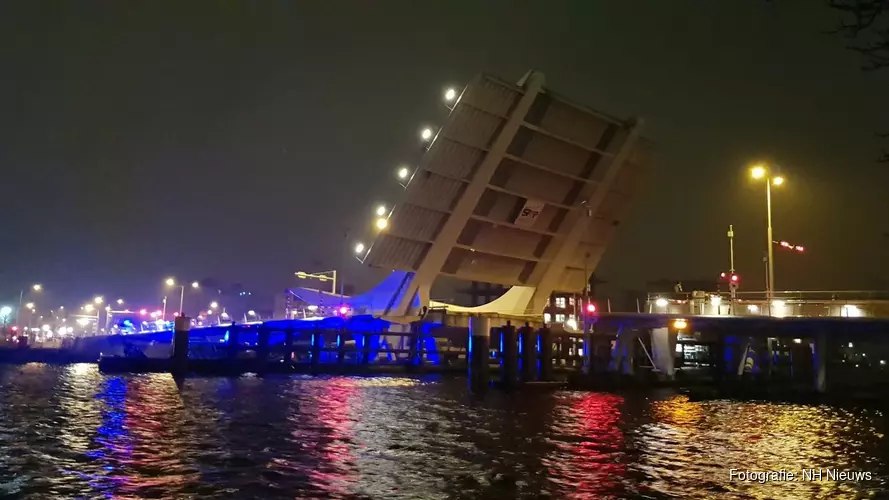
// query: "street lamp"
[[89, 308], [37, 288], [762, 172], [172, 283]]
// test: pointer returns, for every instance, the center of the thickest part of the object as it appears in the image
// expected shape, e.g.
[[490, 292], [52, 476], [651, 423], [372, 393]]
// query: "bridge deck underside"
[[557, 157]]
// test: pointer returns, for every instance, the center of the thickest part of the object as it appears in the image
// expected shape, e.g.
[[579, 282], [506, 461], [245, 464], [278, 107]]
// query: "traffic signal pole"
[[733, 286]]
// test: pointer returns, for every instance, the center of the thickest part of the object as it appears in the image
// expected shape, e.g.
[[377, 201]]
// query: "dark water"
[[70, 432]]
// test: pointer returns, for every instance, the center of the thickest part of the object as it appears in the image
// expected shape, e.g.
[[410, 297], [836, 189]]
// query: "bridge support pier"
[[317, 342], [479, 351], [663, 351], [179, 365], [262, 349], [509, 356], [288, 344], [545, 346], [589, 350], [820, 356], [528, 352]]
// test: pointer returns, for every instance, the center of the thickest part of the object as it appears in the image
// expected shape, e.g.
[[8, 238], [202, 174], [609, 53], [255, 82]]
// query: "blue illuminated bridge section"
[[248, 331]]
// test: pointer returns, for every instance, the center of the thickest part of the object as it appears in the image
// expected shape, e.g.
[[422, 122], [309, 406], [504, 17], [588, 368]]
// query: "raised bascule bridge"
[[525, 188], [520, 187]]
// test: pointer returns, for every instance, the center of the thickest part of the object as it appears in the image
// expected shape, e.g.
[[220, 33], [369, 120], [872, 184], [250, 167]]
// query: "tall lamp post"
[[762, 172], [18, 311], [90, 307], [172, 283]]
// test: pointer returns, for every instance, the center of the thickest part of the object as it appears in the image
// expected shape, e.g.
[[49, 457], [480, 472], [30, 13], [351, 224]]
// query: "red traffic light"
[[722, 275], [591, 308], [735, 278]]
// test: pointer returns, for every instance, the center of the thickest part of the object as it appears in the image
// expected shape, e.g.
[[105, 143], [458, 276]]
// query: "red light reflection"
[[590, 446]]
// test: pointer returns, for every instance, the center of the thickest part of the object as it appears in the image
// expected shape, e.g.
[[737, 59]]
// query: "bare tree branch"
[[866, 19]]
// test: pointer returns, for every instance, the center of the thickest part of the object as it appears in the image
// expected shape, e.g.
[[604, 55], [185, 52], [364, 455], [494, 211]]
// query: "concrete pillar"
[[315, 349], [414, 347], [479, 352], [341, 346], [663, 351], [769, 367], [528, 352], [419, 342], [545, 349], [820, 356], [509, 356], [589, 350], [179, 366], [288, 344], [262, 348], [364, 356]]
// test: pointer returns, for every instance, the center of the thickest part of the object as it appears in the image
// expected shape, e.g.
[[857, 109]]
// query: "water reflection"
[[708, 439], [588, 446], [71, 432]]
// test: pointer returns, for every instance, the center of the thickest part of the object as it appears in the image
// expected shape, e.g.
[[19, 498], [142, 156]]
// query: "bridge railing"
[[850, 303], [808, 295]]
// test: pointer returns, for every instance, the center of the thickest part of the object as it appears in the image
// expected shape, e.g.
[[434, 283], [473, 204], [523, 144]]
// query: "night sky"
[[239, 140]]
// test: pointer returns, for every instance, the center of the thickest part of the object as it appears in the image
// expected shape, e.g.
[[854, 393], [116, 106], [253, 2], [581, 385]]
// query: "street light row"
[[404, 173], [97, 301]]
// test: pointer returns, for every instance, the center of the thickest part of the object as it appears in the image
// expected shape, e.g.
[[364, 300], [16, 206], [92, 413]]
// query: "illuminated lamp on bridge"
[[344, 310], [590, 308]]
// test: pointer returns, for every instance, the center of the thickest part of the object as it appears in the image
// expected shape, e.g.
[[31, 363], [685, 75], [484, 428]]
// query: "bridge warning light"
[[343, 310], [722, 275], [733, 282], [591, 308]]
